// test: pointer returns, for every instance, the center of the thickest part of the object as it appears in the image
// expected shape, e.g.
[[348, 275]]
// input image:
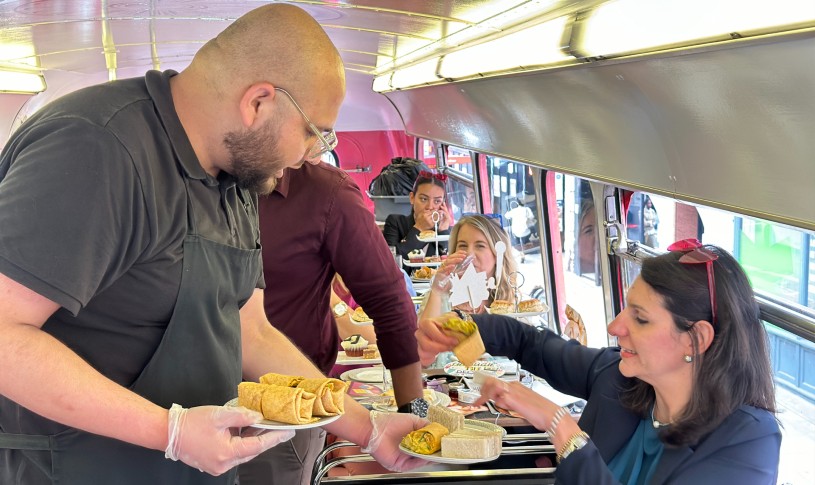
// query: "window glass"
[[779, 260], [427, 152], [514, 201], [578, 278], [461, 196], [458, 159]]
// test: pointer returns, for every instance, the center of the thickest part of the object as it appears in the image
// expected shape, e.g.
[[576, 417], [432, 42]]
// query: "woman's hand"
[[444, 217], [515, 396], [432, 340]]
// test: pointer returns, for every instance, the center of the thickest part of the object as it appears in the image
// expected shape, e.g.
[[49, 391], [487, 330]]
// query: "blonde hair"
[[493, 233]]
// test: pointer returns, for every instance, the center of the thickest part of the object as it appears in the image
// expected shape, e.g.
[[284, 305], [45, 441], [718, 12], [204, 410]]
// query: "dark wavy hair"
[[735, 369]]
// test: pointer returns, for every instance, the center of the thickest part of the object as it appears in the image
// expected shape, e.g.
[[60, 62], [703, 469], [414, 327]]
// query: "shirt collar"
[[158, 86], [282, 186]]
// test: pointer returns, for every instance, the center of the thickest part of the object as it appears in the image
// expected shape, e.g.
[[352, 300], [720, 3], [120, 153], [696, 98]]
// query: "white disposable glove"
[[204, 437], [388, 431]]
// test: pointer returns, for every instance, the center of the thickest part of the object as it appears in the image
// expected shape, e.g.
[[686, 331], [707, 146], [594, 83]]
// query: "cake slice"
[[451, 420], [471, 443]]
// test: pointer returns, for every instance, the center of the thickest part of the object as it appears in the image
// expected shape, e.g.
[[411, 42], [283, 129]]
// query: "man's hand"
[[388, 431], [202, 437]]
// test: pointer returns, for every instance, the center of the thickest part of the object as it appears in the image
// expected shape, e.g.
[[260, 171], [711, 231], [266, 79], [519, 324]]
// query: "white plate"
[[518, 315], [406, 262], [369, 375], [267, 424], [343, 359], [457, 369], [420, 280], [439, 398], [439, 238], [437, 458]]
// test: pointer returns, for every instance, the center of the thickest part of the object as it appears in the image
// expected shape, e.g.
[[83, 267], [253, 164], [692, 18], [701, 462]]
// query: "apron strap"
[[25, 442]]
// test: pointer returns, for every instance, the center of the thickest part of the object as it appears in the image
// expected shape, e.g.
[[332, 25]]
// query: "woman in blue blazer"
[[687, 398]]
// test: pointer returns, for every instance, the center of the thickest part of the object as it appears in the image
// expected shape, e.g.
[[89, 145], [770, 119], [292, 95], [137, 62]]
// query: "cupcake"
[[354, 345], [416, 256]]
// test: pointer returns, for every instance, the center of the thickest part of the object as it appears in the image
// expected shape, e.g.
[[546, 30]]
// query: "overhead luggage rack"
[[502, 476]]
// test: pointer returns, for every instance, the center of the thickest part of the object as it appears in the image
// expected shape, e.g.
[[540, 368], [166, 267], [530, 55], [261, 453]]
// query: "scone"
[[429, 234], [500, 307], [531, 305]]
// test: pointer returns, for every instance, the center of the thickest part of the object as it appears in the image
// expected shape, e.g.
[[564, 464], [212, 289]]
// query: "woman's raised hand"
[[432, 340]]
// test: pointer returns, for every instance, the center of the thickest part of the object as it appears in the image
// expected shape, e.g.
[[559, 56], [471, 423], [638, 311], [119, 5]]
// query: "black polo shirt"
[[93, 214]]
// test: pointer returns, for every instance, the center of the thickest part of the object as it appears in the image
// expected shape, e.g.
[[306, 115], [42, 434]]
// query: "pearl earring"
[[688, 359]]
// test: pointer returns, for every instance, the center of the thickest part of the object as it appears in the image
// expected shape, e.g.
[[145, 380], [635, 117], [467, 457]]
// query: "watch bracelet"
[[570, 447], [559, 414]]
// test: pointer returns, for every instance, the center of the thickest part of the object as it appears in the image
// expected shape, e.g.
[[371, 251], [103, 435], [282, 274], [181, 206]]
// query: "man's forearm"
[[43, 375], [407, 383]]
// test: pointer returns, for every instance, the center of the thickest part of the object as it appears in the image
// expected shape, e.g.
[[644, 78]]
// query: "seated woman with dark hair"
[[428, 197], [688, 396]]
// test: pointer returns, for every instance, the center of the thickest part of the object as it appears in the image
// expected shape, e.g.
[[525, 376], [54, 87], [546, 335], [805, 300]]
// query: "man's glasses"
[[695, 253], [326, 140]]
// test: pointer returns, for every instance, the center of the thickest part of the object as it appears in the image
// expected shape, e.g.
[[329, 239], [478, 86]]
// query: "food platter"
[[457, 369], [419, 264], [517, 315], [438, 237], [437, 458], [343, 359], [437, 397], [267, 424], [367, 374]]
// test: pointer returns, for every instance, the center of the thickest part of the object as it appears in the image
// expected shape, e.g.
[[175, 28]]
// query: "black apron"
[[198, 362]]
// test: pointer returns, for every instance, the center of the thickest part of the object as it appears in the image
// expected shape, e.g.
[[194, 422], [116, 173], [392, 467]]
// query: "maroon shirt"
[[315, 224]]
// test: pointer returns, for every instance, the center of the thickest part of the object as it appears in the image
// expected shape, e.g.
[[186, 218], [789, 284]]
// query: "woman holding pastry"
[[473, 236], [688, 396], [428, 197]]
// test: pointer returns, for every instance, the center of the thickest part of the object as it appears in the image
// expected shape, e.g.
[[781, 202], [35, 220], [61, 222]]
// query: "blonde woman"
[[476, 236]]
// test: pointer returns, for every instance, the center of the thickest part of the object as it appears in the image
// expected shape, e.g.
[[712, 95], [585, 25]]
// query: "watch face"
[[340, 309], [419, 407]]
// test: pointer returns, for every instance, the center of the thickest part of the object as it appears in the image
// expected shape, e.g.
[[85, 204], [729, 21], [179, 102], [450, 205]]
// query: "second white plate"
[[437, 458], [370, 375]]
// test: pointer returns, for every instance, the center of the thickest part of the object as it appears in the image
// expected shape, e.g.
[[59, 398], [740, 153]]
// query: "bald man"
[[130, 272]]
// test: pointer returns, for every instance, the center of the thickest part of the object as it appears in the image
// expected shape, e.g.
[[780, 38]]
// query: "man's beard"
[[254, 158]]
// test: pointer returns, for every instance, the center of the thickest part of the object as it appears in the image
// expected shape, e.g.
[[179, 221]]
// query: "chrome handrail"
[[321, 466]]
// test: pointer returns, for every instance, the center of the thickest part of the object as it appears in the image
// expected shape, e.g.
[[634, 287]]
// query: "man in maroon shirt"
[[313, 225]]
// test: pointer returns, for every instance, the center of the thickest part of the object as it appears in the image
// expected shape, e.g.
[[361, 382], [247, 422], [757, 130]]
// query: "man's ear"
[[256, 103]]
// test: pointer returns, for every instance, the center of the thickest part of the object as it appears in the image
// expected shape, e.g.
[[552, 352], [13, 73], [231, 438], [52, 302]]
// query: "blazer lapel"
[[670, 460]]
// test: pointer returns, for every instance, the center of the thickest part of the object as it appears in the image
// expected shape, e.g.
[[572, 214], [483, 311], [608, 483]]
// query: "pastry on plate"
[[425, 441], [500, 307], [354, 345], [424, 273], [531, 305], [429, 234], [359, 315], [416, 256]]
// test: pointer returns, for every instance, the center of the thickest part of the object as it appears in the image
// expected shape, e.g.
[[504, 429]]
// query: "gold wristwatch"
[[577, 441], [340, 309]]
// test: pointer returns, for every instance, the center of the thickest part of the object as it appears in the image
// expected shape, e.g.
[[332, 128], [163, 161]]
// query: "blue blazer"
[[744, 449]]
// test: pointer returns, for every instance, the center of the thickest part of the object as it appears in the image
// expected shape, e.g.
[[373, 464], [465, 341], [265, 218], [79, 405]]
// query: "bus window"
[[458, 159], [575, 239], [427, 152]]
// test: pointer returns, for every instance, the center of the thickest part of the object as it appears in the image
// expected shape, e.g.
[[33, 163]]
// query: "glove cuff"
[[175, 419]]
